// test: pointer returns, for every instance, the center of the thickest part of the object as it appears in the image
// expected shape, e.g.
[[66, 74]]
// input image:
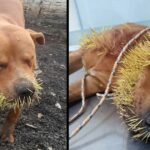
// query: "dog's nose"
[[24, 88], [147, 119]]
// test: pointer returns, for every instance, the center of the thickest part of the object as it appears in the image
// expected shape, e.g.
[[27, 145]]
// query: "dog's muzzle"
[[24, 88]]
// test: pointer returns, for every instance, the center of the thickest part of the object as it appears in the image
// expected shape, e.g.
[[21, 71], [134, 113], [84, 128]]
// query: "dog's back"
[[12, 11]]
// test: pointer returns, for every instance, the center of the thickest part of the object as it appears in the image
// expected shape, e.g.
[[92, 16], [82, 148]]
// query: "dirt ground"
[[50, 132]]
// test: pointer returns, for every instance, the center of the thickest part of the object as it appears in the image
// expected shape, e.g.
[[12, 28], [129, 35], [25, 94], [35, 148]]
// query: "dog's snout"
[[147, 119], [24, 88], [24, 91]]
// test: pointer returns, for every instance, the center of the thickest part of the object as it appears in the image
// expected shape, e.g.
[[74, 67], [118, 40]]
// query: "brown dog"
[[17, 59], [98, 61]]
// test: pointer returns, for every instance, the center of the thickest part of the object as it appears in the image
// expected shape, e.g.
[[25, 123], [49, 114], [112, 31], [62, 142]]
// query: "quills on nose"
[[23, 91], [24, 88]]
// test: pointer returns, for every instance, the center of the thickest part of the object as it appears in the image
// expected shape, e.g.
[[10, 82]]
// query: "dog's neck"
[[13, 14]]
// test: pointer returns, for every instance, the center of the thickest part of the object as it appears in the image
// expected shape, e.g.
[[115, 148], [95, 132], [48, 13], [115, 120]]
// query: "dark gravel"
[[51, 128]]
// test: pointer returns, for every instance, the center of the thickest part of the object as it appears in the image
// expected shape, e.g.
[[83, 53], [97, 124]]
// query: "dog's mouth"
[[11, 102], [137, 126]]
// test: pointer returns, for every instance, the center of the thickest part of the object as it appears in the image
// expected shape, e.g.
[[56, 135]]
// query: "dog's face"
[[18, 61], [142, 96]]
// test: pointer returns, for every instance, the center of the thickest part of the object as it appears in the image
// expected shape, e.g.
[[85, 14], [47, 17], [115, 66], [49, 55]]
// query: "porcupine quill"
[[12, 104], [132, 65]]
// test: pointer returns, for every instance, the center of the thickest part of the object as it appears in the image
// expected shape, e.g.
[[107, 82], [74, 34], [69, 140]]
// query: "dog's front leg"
[[9, 126], [75, 61], [91, 87]]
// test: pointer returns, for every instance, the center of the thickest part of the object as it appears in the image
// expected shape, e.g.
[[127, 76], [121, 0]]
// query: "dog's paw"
[[7, 138]]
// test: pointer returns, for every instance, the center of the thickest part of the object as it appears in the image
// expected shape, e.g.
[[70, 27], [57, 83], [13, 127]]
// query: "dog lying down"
[[131, 82]]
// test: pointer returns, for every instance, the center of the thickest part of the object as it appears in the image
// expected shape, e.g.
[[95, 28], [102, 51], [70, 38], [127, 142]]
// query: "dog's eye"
[[28, 62], [3, 66]]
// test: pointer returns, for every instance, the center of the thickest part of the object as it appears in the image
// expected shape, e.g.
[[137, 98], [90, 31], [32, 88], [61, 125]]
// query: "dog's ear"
[[37, 36]]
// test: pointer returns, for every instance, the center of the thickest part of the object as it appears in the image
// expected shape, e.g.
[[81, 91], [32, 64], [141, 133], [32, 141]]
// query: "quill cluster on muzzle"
[[131, 66], [12, 104]]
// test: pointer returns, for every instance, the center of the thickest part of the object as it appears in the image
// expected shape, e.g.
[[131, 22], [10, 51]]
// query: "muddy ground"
[[51, 128]]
